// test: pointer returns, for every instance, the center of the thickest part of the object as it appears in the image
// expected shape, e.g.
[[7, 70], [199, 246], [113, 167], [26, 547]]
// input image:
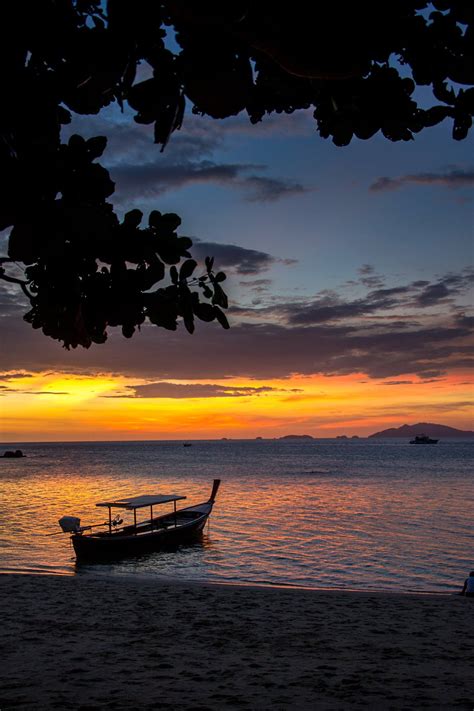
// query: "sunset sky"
[[349, 277]]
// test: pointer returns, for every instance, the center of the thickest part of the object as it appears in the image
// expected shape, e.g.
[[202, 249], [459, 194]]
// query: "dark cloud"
[[141, 171], [446, 287], [249, 350], [180, 391], [465, 321], [47, 392], [366, 270], [399, 382], [372, 282], [368, 277], [299, 123], [239, 259], [329, 307], [130, 142], [198, 135], [258, 286], [12, 300], [149, 180], [452, 179], [326, 335], [333, 308], [261, 189], [429, 376], [14, 376], [433, 294], [152, 179]]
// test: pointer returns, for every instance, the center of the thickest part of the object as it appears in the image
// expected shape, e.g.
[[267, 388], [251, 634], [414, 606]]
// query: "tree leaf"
[[96, 146], [170, 221], [154, 219], [221, 317], [205, 312], [187, 269], [220, 297], [174, 274], [133, 218]]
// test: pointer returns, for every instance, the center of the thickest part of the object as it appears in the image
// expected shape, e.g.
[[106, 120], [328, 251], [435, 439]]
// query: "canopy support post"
[[151, 516], [135, 519], [110, 519], [175, 521]]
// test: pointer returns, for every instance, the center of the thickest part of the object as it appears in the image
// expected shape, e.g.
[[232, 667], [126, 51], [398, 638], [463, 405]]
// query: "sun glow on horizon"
[[62, 406]]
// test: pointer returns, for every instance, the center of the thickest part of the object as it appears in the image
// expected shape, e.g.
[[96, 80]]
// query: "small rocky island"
[[13, 454], [295, 437]]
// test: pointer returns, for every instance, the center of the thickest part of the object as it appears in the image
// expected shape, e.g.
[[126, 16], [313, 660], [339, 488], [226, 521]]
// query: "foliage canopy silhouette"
[[357, 65]]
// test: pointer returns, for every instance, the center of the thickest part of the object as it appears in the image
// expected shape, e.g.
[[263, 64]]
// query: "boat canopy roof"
[[138, 502]]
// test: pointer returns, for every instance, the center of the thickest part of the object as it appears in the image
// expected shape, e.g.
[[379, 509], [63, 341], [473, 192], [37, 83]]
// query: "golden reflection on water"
[[316, 529]]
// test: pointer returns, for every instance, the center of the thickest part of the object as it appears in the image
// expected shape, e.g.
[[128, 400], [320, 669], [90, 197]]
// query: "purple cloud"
[[239, 259], [149, 180], [326, 335], [453, 179], [141, 171]]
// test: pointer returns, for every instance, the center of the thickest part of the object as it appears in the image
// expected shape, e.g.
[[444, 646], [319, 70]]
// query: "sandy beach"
[[96, 643]]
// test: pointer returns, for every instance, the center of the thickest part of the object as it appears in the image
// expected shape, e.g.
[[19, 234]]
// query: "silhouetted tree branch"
[[86, 270]]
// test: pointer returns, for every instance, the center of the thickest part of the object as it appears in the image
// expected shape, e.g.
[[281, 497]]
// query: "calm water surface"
[[370, 514]]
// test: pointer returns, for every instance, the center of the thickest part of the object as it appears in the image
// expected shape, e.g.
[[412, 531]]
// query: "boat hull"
[[117, 545]]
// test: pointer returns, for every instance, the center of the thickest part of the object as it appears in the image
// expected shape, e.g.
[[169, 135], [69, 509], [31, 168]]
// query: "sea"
[[359, 514]]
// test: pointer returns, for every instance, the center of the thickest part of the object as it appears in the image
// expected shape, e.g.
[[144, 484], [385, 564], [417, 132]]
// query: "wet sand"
[[83, 643]]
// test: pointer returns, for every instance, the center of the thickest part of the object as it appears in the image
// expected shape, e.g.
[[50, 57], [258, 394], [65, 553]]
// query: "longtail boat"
[[151, 534]]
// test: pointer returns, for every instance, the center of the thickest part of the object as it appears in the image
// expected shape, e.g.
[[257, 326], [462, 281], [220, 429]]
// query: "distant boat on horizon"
[[423, 439], [187, 444]]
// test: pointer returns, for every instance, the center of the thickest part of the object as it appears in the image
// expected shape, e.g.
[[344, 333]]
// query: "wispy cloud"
[[369, 278], [258, 351], [238, 259], [150, 180], [453, 179], [141, 171], [262, 189], [190, 390], [331, 307], [388, 333], [14, 375]]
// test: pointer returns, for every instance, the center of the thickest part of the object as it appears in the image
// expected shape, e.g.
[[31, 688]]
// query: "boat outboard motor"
[[70, 524]]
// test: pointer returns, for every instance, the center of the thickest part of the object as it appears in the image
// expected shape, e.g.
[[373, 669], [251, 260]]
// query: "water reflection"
[[325, 514], [190, 555]]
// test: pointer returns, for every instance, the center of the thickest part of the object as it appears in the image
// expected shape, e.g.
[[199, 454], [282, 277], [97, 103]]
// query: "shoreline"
[[89, 642], [144, 578]]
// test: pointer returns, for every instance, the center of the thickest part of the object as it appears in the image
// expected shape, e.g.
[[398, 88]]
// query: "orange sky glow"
[[64, 407]]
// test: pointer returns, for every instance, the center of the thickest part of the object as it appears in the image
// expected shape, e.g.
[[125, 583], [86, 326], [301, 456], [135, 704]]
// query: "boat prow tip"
[[215, 488]]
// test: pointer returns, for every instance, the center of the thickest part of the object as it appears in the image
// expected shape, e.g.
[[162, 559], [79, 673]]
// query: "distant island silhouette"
[[423, 428], [13, 454], [293, 436]]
